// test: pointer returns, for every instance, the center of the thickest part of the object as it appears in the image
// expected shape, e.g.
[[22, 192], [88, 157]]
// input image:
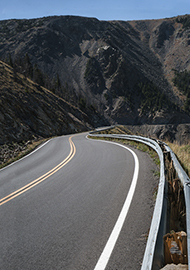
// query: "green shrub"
[[82, 103]]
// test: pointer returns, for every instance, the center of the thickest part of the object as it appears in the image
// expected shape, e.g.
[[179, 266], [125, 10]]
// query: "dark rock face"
[[105, 66]]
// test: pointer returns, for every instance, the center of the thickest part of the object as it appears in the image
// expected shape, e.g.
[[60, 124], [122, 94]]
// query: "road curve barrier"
[[154, 253], [185, 181]]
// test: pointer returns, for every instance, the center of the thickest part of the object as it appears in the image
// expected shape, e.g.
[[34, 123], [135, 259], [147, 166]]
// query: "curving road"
[[59, 206]]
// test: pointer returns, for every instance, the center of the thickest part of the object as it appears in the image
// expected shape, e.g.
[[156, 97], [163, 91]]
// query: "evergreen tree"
[[38, 76], [28, 67], [58, 83], [10, 62]]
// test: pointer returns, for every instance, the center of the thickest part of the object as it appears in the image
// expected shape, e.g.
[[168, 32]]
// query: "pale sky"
[[100, 9]]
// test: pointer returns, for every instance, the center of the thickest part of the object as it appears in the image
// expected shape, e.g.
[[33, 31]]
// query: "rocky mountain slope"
[[29, 111], [121, 70]]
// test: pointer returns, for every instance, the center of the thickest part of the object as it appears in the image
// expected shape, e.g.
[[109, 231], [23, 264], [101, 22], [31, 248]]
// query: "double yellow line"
[[43, 177]]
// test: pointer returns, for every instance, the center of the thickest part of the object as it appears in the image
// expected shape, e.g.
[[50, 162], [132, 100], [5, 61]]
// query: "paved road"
[[64, 218]]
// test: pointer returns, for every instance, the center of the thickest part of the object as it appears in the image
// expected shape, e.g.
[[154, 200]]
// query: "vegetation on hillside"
[[28, 70], [152, 99], [32, 71], [30, 111], [182, 82], [185, 20]]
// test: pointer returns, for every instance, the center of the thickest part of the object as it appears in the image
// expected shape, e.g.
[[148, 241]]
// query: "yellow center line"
[[43, 177]]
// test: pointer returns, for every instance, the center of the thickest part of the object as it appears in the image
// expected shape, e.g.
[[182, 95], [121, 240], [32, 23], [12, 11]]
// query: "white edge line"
[[105, 256], [26, 155]]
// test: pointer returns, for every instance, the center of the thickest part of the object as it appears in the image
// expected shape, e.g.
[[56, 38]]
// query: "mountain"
[[113, 71]]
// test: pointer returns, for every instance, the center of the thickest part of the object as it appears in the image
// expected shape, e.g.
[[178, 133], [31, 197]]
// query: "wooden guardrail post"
[[175, 248]]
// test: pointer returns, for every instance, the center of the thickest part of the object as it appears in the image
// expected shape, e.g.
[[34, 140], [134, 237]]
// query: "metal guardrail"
[[186, 185], [154, 252]]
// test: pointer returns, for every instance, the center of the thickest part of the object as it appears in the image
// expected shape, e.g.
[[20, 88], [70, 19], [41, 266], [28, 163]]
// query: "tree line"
[[153, 99], [182, 81]]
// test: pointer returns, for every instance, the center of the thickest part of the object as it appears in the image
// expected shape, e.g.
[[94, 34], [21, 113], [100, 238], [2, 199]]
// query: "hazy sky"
[[100, 9]]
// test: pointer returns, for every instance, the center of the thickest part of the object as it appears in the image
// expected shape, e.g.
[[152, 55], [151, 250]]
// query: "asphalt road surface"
[[60, 205]]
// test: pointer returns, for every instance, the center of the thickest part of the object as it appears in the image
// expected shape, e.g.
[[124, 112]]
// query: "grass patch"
[[156, 173], [182, 152]]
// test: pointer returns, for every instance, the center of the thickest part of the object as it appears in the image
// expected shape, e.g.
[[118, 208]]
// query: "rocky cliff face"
[[121, 70]]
